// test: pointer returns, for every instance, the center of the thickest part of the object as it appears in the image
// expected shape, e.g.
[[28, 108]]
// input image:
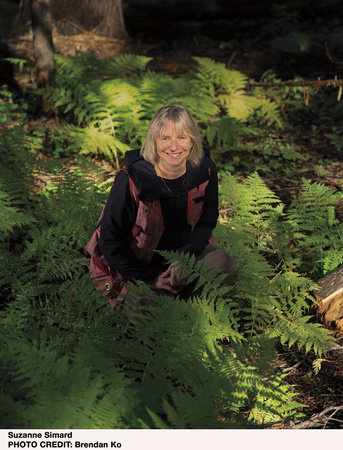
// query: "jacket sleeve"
[[201, 234], [115, 229]]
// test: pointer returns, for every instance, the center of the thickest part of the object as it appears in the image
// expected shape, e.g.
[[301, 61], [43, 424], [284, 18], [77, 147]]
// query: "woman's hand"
[[163, 282], [170, 280], [175, 275]]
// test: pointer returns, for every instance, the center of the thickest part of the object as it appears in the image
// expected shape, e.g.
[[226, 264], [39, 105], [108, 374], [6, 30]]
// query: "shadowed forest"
[[264, 82]]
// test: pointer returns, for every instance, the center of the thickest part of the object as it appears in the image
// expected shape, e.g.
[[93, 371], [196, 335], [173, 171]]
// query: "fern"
[[91, 140], [216, 75], [274, 403], [334, 256], [70, 361], [127, 64], [254, 208], [270, 112], [280, 301], [314, 226], [10, 216], [112, 100], [228, 87]]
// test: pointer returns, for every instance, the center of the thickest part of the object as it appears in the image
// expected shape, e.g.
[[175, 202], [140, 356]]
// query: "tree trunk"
[[43, 46], [102, 17], [112, 20]]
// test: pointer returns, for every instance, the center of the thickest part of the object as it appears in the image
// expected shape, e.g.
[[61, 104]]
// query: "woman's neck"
[[169, 174]]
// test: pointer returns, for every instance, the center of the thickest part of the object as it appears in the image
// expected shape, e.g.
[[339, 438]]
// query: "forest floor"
[[312, 131]]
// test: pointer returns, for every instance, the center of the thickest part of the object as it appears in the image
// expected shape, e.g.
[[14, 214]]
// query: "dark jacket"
[[143, 213]]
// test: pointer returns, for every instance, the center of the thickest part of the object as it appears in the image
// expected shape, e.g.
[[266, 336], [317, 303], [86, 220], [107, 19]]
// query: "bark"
[[112, 23], [330, 298], [43, 46], [102, 17]]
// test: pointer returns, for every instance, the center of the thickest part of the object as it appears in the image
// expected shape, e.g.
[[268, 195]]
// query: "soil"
[[319, 391]]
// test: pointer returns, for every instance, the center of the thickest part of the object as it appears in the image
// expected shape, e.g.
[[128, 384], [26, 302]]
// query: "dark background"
[[219, 28], [240, 31]]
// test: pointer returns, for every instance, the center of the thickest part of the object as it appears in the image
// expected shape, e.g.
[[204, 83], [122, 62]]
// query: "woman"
[[165, 199]]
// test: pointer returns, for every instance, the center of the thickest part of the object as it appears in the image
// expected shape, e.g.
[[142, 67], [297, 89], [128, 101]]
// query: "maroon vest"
[[144, 239]]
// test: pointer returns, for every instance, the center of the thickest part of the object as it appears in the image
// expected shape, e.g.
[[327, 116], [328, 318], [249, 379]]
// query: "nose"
[[173, 144]]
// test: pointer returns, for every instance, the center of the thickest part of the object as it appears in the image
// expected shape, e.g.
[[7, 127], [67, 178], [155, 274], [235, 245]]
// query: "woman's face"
[[173, 149]]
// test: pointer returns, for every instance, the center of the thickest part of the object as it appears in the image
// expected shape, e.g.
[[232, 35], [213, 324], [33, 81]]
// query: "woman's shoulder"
[[207, 157], [131, 157], [201, 173], [142, 174], [209, 163], [121, 182], [206, 162]]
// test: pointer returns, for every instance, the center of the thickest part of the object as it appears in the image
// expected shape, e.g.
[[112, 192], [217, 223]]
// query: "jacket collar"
[[149, 184]]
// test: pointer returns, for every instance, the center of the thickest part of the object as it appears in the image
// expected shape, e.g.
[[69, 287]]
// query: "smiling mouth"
[[174, 155]]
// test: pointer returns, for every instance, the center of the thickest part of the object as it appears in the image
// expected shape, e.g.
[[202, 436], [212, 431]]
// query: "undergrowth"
[[70, 361], [109, 103]]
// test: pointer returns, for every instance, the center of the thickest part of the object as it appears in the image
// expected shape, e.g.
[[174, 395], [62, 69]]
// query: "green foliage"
[[17, 61], [289, 30], [111, 101], [9, 109], [305, 237], [336, 138], [91, 140], [67, 359], [317, 235], [70, 361], [258, 223], [292, 42], [274, 403]]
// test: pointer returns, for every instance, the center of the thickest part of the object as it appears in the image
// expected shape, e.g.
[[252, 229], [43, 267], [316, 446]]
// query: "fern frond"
[[237, 105], [214, 72], [10, 216], [90, 140], [127, 64], [313, 223], [270, 112], [274, 403], [310, 336]]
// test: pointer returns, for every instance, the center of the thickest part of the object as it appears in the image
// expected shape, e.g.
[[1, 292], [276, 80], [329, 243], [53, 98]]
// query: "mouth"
[[174, 155]]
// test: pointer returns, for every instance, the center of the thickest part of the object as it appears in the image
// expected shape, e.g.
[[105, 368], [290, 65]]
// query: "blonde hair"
[[183, 122]]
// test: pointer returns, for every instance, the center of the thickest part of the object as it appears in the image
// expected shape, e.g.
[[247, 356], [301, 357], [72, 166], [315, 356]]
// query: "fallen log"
[[335, 82], [305, 84], [330, 298]]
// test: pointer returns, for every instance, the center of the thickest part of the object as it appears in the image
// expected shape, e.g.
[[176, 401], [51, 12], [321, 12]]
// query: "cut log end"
[[330, 299]]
